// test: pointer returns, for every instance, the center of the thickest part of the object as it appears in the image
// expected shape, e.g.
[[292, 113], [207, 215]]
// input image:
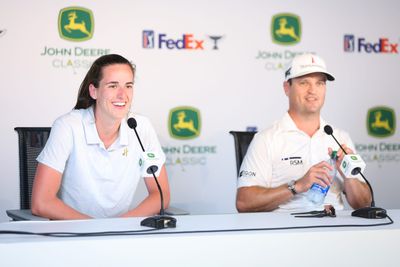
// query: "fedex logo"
[[186, 42], [382, 46], [151, 40]]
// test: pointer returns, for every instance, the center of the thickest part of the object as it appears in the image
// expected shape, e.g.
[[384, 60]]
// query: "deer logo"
[[286, 29], [75, 24], [381, 121], [184, 122]]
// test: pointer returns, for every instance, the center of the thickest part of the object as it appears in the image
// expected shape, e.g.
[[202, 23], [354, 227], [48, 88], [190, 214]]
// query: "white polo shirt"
[[283, 153], [97, 181]]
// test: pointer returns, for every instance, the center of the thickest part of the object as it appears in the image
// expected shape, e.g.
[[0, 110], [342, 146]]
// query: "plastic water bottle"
[[316, 194]]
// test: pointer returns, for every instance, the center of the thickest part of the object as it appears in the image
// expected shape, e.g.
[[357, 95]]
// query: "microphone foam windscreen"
[[132, 123], [328, 129]]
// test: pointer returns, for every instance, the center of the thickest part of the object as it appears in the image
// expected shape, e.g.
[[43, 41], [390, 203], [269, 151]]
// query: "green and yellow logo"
[[381, 121], [75, 24], [286, 29], [184, 122]]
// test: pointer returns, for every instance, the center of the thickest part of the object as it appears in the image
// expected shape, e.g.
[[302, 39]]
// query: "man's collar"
[[288, 124]]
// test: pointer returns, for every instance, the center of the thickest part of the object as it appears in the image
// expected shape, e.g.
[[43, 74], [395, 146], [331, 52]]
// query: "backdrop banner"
[[205, 68]]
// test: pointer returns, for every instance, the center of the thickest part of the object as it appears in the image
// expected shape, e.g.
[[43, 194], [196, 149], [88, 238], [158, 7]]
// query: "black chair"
[[31, 141], [242, 141]]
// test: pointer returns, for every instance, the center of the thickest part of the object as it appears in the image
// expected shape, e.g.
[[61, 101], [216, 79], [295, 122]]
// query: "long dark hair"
[[95, 75]]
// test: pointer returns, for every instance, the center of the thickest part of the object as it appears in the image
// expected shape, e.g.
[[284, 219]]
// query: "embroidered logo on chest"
[[294, 161], [125, 152]]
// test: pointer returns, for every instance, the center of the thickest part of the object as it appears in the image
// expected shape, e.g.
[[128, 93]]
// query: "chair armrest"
[[175, 211], [24, 215]]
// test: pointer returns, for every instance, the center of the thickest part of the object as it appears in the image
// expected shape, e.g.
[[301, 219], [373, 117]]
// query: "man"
[[283, 162]]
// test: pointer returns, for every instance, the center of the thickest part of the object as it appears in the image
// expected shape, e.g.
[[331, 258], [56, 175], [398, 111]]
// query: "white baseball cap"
[[305, 64]]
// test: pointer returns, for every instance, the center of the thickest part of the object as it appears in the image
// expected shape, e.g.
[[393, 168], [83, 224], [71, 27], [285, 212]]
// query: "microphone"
[[159, 221], [370, 212]]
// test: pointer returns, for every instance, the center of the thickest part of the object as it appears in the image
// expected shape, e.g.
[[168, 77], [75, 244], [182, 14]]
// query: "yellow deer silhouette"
[[378, 123], [182, 124], [283, 30], [81, 26]]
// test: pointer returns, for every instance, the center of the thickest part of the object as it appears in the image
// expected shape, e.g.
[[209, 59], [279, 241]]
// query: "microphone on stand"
[[159, 221], [370, 212]]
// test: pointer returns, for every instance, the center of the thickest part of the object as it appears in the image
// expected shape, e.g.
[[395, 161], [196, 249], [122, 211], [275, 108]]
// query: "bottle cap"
[[334, 154]]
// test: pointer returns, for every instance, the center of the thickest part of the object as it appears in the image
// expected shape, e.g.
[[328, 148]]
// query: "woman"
[[90, 166]]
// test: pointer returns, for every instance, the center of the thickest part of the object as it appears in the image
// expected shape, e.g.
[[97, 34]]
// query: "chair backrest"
[[31, 141], [242, 142]]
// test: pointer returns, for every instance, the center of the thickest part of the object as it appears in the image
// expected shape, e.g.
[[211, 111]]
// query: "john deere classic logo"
[[286, 29], [184, 122], [75, 24], [381, 121]]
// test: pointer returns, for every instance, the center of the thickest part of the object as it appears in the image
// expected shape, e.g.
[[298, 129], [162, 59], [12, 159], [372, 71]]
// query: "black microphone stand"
[[370, 212], [158, 221]]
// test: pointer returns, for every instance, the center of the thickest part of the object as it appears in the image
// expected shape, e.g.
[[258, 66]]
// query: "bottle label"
[[319, 188], [317, 193]]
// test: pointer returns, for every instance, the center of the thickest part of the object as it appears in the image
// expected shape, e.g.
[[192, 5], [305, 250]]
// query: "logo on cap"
[[286, 29], [381, 121], [184, 122], [287, 73], [75, 24]]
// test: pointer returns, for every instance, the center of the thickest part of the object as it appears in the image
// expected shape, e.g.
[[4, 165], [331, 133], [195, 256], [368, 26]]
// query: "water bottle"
[[316, 194]]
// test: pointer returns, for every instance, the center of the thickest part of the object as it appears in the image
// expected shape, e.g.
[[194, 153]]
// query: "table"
[[244, 239]]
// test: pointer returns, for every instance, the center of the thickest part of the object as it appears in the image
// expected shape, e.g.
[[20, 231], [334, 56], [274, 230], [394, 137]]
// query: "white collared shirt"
[[283, 153], [97, 181]]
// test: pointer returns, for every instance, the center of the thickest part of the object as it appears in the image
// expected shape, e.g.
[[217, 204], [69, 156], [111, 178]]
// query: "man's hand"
[[319, 173], [340, 154]]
